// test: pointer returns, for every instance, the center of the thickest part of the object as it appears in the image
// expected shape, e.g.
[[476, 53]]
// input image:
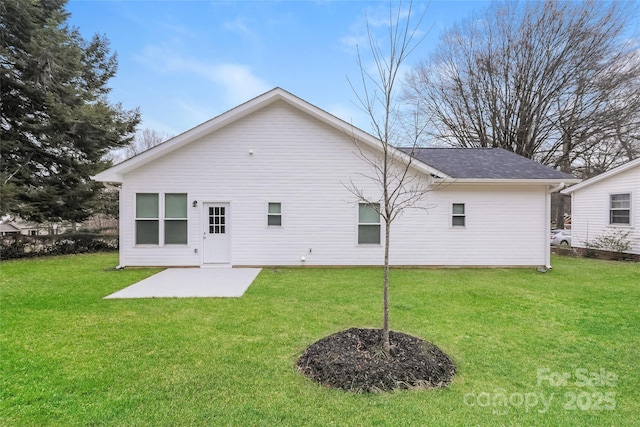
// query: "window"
[[274, 215], [620, 209], [368, 224], [175, 219], [217, 220], [458, 215], [148, 220]]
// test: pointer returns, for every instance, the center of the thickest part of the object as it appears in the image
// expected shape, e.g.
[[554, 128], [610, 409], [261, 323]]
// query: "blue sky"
[[184, 62]]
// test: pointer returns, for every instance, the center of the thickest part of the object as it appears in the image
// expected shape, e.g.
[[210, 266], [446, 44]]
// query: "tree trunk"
[[386, 346]]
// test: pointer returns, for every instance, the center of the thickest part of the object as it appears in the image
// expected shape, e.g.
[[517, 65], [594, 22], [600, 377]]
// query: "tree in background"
[[57, 124], [555, 81], [144, 140]]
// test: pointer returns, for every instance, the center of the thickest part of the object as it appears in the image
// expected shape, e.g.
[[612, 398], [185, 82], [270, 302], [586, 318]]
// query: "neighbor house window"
[[161, 218], [368, 224], [175, 219], [274, 215], [458, 217], [147, 219], [620, 209]]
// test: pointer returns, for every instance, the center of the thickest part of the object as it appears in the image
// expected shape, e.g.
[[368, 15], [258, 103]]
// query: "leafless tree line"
[[555, 81]]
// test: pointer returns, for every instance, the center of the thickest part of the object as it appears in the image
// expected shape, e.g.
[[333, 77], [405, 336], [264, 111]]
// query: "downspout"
[[547, 239]]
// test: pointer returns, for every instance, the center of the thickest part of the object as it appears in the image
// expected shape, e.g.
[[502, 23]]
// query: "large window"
[[368, 224], [620, 209], [148, 219], [175, 219], [458, 216], [274, 215]]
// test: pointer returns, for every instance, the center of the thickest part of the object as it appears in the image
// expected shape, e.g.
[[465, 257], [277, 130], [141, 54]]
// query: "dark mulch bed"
[[353, 360]]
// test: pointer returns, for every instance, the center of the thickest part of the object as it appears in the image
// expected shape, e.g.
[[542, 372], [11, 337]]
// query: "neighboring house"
[[265, 184], [607, 205], [7, 228]]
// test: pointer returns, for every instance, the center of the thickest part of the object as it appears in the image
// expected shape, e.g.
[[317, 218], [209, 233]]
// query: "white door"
[[217, 227]]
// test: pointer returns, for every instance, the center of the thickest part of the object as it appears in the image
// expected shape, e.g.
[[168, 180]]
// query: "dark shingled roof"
[[484, 163]]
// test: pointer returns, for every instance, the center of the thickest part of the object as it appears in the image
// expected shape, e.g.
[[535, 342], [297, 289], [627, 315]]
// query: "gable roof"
[[447, 164], [115, 173], [615, 171], [486, 163]]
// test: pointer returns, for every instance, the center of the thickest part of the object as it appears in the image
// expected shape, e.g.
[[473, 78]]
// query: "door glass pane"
[[175, 205], [367, 214], [368, 234], [217, 220], [146, 205], [175, 232], [147, 232]]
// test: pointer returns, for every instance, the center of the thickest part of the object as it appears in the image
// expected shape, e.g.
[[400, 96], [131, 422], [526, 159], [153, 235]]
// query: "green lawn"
[[68, 357]]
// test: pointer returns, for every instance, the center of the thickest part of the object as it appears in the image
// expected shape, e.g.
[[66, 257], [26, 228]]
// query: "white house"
[[606, 205], [265, 184]]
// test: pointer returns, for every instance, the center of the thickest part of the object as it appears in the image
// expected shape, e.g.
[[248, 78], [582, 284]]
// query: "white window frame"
[[612, 209], [274, 214], [155, 219], [367, 224], [462, 215], [161, 219], [166, 219]]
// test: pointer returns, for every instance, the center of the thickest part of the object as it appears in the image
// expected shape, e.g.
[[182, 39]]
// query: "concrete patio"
[[191, 283]]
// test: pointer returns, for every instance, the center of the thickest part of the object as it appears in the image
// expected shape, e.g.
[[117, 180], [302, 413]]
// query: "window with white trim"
[[147, 219], [368, 224], [151, 227], [458, 216], [175, 219], [620, 209], [274, 214]]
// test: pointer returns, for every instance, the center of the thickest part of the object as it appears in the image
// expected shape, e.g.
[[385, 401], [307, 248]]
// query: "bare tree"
[[547, 80], [398, 185], [144, 140]]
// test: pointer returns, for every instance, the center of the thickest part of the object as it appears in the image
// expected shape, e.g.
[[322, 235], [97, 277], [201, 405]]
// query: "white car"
[[561, 238]]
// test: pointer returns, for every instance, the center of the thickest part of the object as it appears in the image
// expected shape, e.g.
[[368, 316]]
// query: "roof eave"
[[542, 181], [602, 176]]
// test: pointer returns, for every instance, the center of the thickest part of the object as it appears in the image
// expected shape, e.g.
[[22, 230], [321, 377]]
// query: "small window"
[[274, 215], [620, 209], [147, 220], [458, 215], [175, 219], [368, 224]]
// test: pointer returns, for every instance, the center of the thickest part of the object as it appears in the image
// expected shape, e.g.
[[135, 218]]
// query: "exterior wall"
[[590, 209], [306, 165]]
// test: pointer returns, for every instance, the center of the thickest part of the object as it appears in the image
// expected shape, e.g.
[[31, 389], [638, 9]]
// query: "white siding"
[[590, 209], [305, 165]]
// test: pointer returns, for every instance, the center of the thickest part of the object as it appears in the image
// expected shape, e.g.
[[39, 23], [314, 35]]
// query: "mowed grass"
[[69, 358]]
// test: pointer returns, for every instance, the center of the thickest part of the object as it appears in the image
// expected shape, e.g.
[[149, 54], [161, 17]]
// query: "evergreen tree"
[[56, 122]]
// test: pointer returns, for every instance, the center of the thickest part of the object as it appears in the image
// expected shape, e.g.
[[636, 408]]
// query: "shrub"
[[19, 246], [614, 241]]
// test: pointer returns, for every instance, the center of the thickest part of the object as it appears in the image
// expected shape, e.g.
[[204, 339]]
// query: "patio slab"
[[191, 283]]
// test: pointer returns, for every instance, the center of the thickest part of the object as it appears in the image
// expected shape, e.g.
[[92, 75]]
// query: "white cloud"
[[237, 81]]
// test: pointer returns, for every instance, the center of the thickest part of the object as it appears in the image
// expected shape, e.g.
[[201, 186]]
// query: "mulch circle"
[[353, 360]]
